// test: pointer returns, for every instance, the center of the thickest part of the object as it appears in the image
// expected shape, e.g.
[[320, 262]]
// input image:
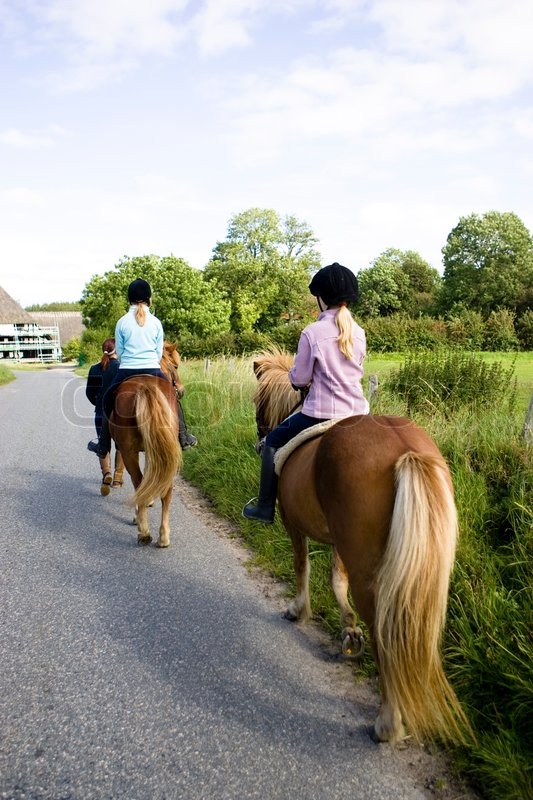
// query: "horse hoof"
[[117, 484], [106, 484], [162, 546], [353, 644], [290, 616], [143, 539]]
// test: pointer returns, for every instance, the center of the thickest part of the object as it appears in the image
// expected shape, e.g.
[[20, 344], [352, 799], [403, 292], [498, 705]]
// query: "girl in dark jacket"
[[99, 379]]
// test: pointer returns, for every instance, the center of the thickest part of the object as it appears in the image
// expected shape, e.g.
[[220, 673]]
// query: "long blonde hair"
[[345, 324], [140, 314]]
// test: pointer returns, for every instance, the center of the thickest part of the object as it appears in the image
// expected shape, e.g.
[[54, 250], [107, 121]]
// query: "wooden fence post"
[[372, 388], [527, 430]]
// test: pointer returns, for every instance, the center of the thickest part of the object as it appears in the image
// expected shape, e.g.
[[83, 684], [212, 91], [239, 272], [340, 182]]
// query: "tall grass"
[[488, 644]]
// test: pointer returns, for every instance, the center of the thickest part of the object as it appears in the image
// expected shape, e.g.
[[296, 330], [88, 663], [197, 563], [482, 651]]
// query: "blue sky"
[[130, 127]]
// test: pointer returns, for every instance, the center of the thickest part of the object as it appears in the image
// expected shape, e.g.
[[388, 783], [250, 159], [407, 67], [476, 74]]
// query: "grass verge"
[[488, 645]]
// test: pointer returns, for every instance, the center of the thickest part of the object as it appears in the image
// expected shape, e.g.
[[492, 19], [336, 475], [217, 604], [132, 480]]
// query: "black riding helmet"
[[139, 291], [335, 284]]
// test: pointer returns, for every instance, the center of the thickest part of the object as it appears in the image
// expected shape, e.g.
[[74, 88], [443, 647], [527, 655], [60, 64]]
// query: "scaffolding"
[[29, 342]]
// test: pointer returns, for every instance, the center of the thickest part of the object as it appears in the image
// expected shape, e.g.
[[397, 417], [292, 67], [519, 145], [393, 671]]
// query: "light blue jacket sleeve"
[[119, 340], [160, 340]]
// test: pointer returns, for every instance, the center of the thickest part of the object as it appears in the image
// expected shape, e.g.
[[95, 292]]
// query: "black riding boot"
[[265, 508], [103, 446], [186, 439]]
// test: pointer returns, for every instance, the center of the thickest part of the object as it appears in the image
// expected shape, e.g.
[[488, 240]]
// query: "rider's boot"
[[265, 507], [185, 438], [103, 445]]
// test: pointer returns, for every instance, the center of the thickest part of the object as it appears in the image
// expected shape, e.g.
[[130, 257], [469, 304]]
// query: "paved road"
[[149, 675]]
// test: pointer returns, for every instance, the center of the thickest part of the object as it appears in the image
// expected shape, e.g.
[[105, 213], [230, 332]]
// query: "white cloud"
[[14, 137]]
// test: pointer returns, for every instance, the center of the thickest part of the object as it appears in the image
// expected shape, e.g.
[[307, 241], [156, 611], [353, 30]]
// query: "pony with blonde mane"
[[378, 489], [145, 418]]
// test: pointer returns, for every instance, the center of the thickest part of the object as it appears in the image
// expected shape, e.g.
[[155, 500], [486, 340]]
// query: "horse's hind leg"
[[388, 726], [143, 531], [300, 607], [164, 529], [353, 643]]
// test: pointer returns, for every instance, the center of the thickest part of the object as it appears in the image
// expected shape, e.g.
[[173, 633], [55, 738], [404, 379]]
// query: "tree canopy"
[[398, 281], [181, 297], [488, 264], [263, 267]]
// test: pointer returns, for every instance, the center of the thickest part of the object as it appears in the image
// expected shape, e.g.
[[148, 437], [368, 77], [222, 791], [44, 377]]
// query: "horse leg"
[[141, 516], [388, 725], [131, 461], [353, 643], [118, 475], [105, 466], [300, 607], [164, 529]]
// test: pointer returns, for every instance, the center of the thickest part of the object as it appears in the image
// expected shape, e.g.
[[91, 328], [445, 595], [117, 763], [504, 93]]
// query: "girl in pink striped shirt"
[[329, 363]]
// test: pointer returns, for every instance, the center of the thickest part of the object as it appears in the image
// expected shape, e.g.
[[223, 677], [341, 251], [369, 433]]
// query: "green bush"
[[386, 334], [466, 330], [446, 380], [91, 345], [71, 350], [500, 332], [524, 330]]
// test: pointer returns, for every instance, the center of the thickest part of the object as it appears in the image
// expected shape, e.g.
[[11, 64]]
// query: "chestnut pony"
[[145, 418], [378, 489]]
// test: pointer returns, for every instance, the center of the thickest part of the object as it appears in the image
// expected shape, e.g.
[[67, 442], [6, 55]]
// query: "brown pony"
[[145, 418], [378, 489]]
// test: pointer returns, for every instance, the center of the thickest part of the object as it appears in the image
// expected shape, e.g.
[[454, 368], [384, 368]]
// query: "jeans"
[[289, 428]]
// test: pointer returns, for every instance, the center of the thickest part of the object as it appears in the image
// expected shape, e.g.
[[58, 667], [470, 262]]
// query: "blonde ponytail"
[[345, 324], [140, 314]]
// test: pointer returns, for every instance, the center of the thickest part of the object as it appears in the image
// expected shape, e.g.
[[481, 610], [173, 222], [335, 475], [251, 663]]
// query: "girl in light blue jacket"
[[139, 342]]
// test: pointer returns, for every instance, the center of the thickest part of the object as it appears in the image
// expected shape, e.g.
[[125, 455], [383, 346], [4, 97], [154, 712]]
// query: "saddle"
[[281, 455]]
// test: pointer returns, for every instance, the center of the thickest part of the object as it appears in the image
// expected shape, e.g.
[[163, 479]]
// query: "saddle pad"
[[281, 455]]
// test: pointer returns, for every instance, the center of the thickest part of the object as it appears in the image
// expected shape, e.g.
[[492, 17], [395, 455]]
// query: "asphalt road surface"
[[149, 674]]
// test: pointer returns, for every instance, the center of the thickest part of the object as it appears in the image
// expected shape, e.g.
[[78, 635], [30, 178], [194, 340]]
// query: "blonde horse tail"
[[411, 597], [157, 424]]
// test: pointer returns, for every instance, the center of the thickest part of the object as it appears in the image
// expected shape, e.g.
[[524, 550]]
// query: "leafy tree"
[[182, 299], [263, 268], [488, 265], [57, 306], [398, 281]]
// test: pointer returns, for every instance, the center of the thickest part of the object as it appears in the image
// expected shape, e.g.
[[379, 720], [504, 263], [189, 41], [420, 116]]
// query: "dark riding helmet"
[[139, 291], [335, 284]]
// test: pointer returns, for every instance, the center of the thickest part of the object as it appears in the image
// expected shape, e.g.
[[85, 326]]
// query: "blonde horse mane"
[[274, 393]]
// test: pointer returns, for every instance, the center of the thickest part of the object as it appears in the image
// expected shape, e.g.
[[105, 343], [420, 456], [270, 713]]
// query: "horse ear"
[[256, 368]]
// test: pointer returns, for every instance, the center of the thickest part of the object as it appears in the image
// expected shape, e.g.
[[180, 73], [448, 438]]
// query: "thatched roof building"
[[69, 323], [21, 336], [11, 312]]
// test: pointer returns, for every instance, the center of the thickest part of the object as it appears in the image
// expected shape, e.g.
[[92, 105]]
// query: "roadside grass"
[[6, 375], [487, 646]]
